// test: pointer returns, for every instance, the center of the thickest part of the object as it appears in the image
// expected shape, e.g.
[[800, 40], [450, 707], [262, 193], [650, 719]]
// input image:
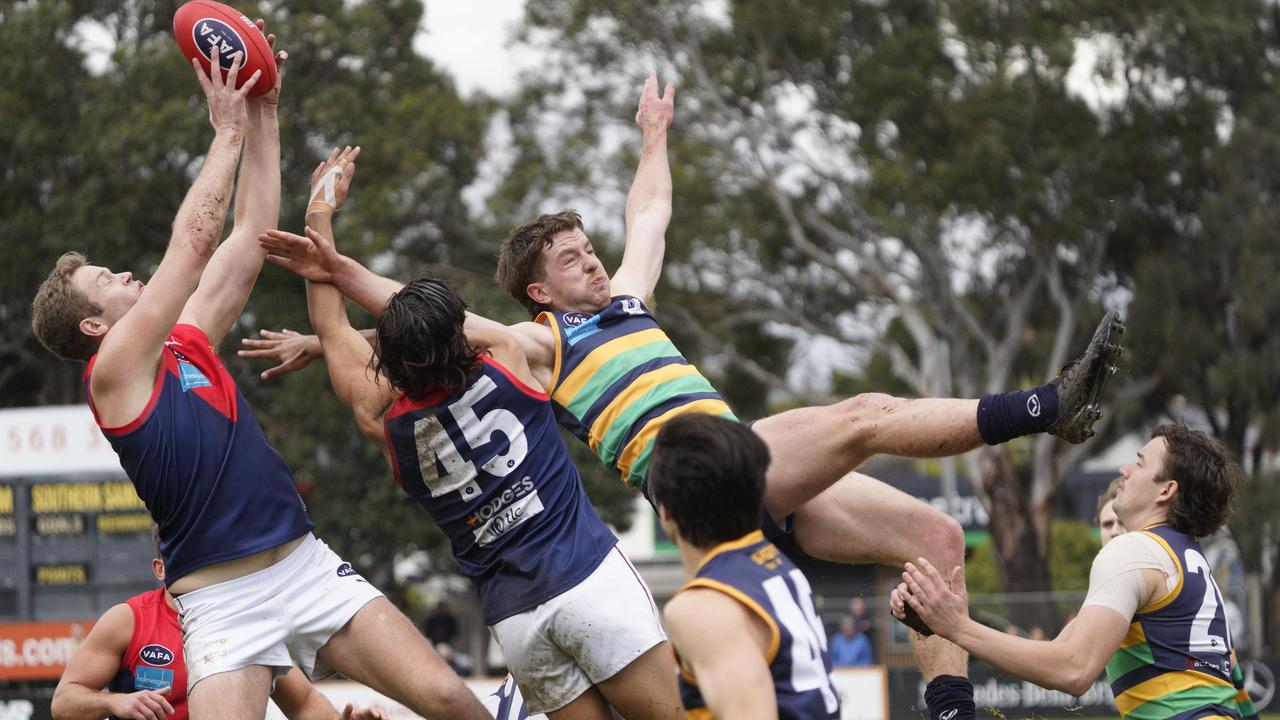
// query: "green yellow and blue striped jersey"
[[618, 379], [1175, 662]]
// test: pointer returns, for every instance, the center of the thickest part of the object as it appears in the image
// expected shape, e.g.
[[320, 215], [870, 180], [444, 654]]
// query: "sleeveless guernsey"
[[618, 379], [154, 657], [754, 572], [488, 464], [215, 487]]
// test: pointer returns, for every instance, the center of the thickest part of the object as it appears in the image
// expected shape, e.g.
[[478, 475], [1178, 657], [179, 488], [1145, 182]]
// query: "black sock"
[[950, 697], [1005, 416]]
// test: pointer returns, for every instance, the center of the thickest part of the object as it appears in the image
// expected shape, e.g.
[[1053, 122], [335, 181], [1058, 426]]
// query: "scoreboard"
[[75, 538]]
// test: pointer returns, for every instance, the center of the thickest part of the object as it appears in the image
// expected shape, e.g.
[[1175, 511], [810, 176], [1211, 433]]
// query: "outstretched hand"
[[656, 111], [943, 604], [313, 257], [290, 350], [272, 96], [331, 180], [227, 105]]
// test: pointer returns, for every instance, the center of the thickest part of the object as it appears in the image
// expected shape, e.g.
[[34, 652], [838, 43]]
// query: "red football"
[[200, 23]]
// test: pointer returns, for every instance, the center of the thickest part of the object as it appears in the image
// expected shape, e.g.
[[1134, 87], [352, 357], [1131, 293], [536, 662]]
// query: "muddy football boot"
[[1080, 382]]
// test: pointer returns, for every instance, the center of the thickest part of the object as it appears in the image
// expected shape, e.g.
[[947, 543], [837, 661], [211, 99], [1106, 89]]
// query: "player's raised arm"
[[718, 641], [125, 369], [227, 282], [347, 352], [315, 256], [649, 200], [347, 356]]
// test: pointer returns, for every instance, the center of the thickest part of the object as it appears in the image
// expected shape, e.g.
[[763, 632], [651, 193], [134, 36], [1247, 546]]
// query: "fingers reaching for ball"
[[227, 110]]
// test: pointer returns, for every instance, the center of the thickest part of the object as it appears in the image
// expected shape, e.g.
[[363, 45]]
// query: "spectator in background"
[[1109, 526], [440, 626], [858, 611], [850, 646], [460, 662]]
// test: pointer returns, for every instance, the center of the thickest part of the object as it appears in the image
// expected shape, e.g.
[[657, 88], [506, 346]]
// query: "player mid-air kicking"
[[472, 437], [616, 378], [256, 591]]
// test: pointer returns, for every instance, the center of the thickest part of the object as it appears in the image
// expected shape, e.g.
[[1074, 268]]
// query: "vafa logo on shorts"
[[157, 655], [345, 570]]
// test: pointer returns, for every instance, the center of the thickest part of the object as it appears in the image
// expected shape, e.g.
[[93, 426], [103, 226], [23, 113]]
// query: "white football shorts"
[[278, 616], [584, 636]]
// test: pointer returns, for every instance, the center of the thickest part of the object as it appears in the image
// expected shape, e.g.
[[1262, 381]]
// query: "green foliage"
[[840, 162], [100, 163], [1073, 545]]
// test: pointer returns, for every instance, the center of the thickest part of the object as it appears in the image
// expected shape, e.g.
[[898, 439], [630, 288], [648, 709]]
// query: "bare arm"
[[127, 359], [1070, 662], [80, 693], [316, 257], [724, 645], [228, 280], [648, 210], [298, 699], [347, 353]]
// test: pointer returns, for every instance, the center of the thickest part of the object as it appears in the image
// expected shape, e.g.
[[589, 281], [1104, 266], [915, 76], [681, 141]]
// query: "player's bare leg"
[[590, 705], [380, 648], [863, 520], [810, 448], [813, 447], [948, 693], [236, 695], [647, 687], [860, 519]]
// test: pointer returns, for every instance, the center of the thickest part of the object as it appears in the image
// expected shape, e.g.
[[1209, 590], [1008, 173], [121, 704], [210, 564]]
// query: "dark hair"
[[708, 472], [1107, 496], [1207, 477], [421, 343], [520, 259]]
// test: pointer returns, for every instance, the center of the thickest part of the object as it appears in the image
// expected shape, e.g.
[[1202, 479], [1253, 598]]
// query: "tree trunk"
[[1020, 538]]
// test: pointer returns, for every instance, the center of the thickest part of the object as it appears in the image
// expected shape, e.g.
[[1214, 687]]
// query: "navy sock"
[[950, 697], [1005, 416]]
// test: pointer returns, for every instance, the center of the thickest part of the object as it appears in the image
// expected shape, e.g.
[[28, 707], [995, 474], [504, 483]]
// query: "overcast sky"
[[471, 40]]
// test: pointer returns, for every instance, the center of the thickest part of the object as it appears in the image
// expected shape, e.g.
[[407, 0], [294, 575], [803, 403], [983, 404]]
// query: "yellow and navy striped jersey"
[[618, 379], [754, 572], [1175, 663]]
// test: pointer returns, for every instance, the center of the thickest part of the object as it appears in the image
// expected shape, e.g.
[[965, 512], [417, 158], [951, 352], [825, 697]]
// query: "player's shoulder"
[[1124, 543], [1134, 543], [1130, 551], [115, 627], [705, 604], [531, 331]]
